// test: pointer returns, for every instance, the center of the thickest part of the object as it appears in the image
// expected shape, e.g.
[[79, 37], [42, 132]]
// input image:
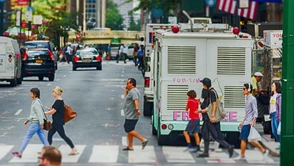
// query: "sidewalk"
[[268, 142]]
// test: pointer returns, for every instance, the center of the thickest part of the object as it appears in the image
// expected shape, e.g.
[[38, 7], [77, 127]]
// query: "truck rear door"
[[3, 57]]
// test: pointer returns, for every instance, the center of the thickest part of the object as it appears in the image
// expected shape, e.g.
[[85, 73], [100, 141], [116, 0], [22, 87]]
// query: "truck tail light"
[[147, 82], [163, 126]]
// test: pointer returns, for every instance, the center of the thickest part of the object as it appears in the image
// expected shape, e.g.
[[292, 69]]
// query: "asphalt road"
[[97, 131]]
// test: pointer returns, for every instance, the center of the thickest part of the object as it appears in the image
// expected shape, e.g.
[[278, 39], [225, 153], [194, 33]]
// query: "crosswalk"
[[113, 154]]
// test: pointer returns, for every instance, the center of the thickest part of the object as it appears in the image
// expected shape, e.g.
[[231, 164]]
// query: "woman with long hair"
[[57, 112], [275, 108], [36, 119]]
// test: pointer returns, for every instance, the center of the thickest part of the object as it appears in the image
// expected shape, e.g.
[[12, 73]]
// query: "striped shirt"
[[250, 109]]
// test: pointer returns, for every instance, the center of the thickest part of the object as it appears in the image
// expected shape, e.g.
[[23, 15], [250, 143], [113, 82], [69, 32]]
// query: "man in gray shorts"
[[132, 113]]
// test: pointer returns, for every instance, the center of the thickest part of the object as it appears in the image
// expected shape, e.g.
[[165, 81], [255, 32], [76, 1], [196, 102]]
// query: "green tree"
[[114, 19], [133, 25]]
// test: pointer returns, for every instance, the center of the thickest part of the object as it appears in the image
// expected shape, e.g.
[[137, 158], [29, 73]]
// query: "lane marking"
[[124, 141], [122, 113], [122, 96], [122, 75], [49, 84], [4, 150], [57, 79], [142, 156], [65, 150], [176, 155], [64, 76], [122, 71], [18, 112], [104, 154], [30, 155]]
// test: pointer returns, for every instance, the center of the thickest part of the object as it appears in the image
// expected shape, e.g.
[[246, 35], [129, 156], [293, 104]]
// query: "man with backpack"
[[211, 125]]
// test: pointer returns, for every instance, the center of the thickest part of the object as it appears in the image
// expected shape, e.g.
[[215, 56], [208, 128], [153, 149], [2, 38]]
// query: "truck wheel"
[[41, 78], [233, 139], [74, 68], [19, 80], [99, 67], [51, 77], [13, 82], [148, 107]]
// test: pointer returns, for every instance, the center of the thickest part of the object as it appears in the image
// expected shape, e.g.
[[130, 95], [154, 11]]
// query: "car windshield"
[[37, 45], [88, 52]]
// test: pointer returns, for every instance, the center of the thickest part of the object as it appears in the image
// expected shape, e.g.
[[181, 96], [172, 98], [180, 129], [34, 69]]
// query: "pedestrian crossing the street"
[[108, 154]]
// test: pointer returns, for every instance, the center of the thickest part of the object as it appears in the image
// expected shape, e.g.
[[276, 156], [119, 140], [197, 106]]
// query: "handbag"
[[220, 112], [69, 113], [47, 123]]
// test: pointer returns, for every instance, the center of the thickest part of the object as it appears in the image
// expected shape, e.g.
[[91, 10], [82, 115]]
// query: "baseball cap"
[[259, 74], [206, 81]]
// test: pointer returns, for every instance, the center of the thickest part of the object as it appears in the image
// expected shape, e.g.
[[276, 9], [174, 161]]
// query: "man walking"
[[50, 156], [132, 113], [248, 122], [209, 124], [121, 54]]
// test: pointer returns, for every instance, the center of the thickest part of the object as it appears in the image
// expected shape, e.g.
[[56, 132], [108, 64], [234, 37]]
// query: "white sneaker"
[[240, 158], [265, 155]]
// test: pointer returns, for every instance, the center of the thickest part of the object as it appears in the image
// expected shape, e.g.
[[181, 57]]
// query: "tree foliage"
[[114, 19], [164, 5], [134, 26]]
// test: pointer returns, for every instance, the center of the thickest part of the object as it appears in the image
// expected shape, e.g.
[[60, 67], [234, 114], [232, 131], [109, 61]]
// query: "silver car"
[[88, 57]]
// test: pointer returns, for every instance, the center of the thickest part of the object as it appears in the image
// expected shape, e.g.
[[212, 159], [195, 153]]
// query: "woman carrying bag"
[[57, 112], [36, 119]]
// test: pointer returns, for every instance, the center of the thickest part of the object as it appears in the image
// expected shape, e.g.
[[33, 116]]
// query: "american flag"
[[227, 6], [230, 6], [249, 12]]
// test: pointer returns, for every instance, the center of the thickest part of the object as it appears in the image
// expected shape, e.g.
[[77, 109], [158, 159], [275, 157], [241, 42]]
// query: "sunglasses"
[[244, 89]]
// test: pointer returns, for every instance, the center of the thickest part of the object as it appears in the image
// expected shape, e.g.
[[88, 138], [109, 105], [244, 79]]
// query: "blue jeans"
[[275, 124], [33, 129]]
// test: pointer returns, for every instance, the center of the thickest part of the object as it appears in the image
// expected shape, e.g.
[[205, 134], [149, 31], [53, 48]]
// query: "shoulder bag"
[[69, 113], [47, 123], [220, 113]]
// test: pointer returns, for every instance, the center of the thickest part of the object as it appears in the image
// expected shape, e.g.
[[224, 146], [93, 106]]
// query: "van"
[[10, 61]]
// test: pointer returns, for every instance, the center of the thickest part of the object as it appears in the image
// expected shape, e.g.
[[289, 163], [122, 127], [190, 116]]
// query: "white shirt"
[[69, 49], [121, 50], [273, 104]]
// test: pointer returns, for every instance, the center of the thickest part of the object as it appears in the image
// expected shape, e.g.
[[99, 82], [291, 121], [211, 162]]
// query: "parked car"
[[88, 57], [43, 44], [38, 62]]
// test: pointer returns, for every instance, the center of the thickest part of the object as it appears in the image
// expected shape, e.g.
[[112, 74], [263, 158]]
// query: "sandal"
[[144, 144], [16, 154], [127, 149], [73, 153]]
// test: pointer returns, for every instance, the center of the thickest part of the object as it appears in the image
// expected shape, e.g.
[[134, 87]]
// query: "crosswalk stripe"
[[4, 150], [104, 154], [177, 155], [30, 155], [65, 150], [142, 156], [254, 156], [219, 157]]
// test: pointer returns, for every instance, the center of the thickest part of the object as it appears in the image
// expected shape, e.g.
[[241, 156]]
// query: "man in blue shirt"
[[248, 122]]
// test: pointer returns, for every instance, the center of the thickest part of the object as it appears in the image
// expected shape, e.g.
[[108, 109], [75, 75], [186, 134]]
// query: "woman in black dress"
[[57, 112]]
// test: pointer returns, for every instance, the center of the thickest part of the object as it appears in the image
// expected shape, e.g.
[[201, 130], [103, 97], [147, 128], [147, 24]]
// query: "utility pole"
[[287, 131]]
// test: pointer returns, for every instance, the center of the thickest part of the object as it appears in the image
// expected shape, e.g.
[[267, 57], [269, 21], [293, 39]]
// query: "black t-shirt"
[[58, 116], [211, 97]]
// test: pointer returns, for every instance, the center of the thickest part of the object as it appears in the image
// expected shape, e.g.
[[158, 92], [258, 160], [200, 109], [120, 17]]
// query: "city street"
[[97, 131]]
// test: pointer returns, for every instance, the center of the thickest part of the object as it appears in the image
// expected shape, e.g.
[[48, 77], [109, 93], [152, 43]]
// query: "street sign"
[[210, 3], [30, 8], [172, 20], [22, 2], [38, 19], [28, 15], [243, 3], [17, 18]]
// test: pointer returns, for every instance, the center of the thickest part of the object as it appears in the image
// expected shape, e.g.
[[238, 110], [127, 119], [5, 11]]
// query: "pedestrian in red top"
[[193, 125]]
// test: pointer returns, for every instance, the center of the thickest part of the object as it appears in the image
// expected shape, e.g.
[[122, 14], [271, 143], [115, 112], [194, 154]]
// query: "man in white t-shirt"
[[121, 54]]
